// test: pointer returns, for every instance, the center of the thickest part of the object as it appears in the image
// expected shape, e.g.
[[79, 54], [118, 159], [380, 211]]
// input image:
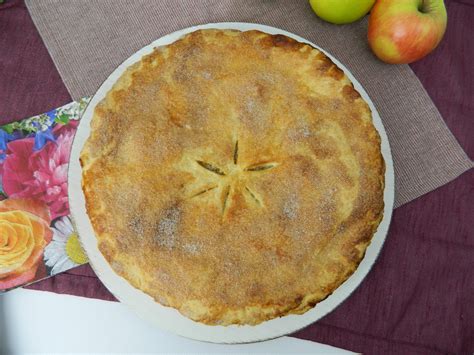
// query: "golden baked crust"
[[235, 176]]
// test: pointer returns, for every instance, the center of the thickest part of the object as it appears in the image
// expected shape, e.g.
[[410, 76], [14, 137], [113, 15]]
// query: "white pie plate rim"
[[168, 318]]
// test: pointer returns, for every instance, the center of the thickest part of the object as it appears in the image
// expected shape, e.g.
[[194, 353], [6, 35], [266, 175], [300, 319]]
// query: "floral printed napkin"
[[37, 237]]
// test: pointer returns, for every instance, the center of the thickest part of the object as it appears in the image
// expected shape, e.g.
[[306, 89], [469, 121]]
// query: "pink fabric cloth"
[[419, 296]]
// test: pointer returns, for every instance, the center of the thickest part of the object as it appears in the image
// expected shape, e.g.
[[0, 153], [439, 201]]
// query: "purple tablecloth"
[[419, 296]]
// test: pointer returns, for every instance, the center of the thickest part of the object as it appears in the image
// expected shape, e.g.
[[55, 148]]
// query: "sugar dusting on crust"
[[167, 235], [206, 75], [250, 105], [327, 208], [254, 112], [291, 207], [298, 133], [136, 225], [192, 248], [167, 228], [305, 132]]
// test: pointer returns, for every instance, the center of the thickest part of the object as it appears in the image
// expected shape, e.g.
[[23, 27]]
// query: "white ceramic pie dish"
[[168, 318]]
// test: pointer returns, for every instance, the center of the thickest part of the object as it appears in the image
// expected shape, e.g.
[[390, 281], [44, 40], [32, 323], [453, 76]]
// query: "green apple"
[[341, 11]]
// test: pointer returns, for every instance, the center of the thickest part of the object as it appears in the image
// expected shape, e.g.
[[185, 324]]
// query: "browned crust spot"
[[280, 41], [327, 66], [349, 93]]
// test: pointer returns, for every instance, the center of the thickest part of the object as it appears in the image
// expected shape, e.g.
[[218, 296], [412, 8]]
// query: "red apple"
[[403, 31]]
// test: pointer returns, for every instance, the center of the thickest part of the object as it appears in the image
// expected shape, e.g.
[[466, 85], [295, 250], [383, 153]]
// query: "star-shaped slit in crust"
[[228, 186], [211, 167]]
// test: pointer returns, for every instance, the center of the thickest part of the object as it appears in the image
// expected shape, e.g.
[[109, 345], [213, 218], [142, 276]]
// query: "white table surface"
[[44, 322]]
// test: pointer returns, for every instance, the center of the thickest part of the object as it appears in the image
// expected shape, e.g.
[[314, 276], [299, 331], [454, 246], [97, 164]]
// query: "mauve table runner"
[[418, 297], [88, 40]]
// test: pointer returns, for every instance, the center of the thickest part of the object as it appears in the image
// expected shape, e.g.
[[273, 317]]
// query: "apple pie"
[[235, 176]]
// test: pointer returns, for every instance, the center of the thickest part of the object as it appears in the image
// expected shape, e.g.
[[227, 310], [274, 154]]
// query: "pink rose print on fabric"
[[40, 174]]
